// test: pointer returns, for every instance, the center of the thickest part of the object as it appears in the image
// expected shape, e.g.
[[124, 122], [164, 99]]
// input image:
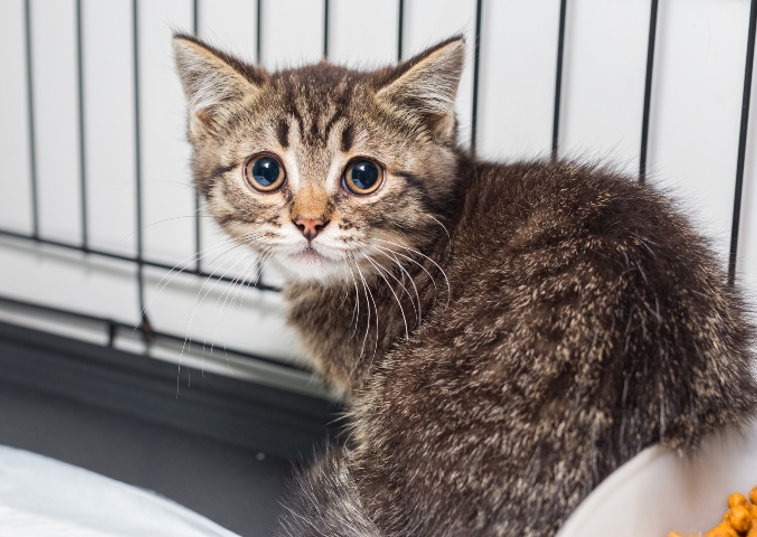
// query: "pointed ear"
[[214, 83], [426, 85]]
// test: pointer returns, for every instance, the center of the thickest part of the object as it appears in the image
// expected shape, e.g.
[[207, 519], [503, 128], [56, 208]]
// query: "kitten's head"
[[328, 171]]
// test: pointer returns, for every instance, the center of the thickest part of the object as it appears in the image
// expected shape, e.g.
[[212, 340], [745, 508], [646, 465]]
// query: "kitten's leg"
[[324, 501]]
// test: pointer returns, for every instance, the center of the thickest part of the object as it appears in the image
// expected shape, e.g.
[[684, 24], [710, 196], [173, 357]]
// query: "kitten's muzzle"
[[310, 227]]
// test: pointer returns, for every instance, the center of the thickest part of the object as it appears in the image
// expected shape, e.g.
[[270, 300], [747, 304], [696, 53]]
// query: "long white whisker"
[[430, 277], [375, 308], [232, 286], [164, 220], [413, 250], [396, 298], [173, 272], [404, 288], [368, 310], [443, 226], [356, 307], [197, 307]]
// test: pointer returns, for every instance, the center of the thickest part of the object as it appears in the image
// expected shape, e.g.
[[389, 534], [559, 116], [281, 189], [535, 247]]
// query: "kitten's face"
[[331, 173]]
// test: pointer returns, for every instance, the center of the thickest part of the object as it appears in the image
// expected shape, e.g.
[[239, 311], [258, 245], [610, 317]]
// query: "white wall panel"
[[56, 118], [292, 32], [517, 84], [696, 105], [363, 33], [109, 125], [603, 85], [230, 25], [15, 186], [167, 192]]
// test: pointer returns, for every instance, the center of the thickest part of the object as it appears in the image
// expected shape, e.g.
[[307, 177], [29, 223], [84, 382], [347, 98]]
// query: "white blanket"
[[42, 497]]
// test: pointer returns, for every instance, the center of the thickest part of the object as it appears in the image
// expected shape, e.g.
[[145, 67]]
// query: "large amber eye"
[[362, 177], [265, 173]]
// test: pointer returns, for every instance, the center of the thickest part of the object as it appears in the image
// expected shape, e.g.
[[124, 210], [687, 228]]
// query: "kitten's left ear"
[[426, 85], [215, 84]]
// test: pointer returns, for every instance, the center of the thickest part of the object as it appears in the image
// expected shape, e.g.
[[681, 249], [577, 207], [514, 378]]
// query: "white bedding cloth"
[[42, 497]]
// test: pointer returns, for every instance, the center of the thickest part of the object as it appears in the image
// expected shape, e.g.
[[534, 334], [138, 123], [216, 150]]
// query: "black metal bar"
[[558, 79], [146, 262], [112, 326], [648, 91], [82, 127], [30, 114], [197, 235], [742, 142], [400, 29], [259, 33], [326, 6], [476, 70], [138, 158]]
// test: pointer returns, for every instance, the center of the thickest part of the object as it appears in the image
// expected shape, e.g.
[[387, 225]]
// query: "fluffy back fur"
[[507, 334]]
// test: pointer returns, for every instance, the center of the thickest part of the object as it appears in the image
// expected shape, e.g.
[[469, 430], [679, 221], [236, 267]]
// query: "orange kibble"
[[739, 521], [722, 530], [737, 499], [740, 518]]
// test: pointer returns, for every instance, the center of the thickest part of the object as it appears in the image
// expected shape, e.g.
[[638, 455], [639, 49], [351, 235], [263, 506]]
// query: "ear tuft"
[[427, 84], [213, 82]]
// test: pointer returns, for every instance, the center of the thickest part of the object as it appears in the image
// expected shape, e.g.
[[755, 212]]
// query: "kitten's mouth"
[[311, 256]]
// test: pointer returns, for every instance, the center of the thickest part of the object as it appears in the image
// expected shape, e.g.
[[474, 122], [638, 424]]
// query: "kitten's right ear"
[[214, 83]]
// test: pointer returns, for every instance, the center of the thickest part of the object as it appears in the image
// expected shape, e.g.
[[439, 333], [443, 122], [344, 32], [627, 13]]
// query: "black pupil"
[[265, 171], [364, 174]]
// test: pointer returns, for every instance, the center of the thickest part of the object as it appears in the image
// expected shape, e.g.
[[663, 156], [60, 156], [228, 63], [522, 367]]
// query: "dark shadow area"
[[221, 448]]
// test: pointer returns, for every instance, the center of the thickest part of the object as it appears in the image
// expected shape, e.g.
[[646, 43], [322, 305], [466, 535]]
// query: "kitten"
[[507, 335]]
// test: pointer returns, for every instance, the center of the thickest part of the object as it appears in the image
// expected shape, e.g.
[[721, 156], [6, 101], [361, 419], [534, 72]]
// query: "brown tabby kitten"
[[507, 335]]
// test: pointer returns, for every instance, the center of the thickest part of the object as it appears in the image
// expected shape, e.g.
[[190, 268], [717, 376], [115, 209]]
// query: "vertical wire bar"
[[259, 32], [326, 5], [742, 142], [82, 132], [558, 79], [138, 159], [258, 52], [198, 245], [400, 29], [30, 114], [476, 69], [648, 92]]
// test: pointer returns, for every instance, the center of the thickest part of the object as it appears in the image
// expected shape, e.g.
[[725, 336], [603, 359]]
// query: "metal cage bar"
[[82, 127], [400, 29], [743, 128], [648, 91], [476, 76], [558, 78], [30, 116]]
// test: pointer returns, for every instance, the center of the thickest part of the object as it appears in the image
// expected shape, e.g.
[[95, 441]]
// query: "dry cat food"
[[739, 521]]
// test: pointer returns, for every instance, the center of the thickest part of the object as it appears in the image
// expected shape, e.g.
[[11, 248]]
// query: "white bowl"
[[657, 492]]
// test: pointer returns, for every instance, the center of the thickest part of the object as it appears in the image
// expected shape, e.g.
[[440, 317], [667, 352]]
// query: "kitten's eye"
[[265, 174], [362, 177]]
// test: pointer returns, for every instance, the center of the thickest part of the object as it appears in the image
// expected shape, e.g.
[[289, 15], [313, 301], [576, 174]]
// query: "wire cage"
[[103, 239]]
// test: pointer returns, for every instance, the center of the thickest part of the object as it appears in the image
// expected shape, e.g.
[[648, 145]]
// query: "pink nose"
[[310, 227]]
